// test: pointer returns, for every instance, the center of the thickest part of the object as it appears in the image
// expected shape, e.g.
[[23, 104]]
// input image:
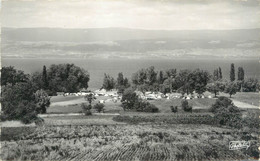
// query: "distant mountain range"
[[111, 34], [128, 43]]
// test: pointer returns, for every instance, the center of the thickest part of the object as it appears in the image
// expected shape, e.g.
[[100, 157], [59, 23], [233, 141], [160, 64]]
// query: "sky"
[[143, 14]]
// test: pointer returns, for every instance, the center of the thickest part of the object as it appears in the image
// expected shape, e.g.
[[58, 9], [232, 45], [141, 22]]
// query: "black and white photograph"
[[130, 80]]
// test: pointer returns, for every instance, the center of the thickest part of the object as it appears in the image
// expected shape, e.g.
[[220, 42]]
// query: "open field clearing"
[[251, 98], [129, 142], [61, 105]]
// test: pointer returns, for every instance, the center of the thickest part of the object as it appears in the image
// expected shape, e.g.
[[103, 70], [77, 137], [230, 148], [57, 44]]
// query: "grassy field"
[[71, 104], [129, 142], [131, 135], [251, 98]]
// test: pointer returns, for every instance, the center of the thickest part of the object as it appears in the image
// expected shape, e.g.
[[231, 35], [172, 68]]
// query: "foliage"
[[250, 85], [121, 83], [86, 109], [66, 78], [130, 101], [12, 76], [43, 101], [189, 81], [220, 73], [215, 87], [226, 112], [166, 119], [174, 109], [232, 73], [221, 102], [217, 74], [231, 88], [230, 116], [90, 98], [45, 78], [19, 102], [185, 106], [240, 74], [143, 106], [99, 107], [108, 82]]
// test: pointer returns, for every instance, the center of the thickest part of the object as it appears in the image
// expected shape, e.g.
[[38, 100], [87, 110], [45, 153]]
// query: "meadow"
[[129, 142], [129, 135]]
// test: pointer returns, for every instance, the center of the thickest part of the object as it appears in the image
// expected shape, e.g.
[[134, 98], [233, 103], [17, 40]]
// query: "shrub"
[[99, 107], [221, 102], [86, 109], [130, 101], [226, 113], [174, 109], [185, 106]]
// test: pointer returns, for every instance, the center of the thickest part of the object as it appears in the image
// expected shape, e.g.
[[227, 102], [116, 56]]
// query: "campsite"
[[130, 80], [116, 134]]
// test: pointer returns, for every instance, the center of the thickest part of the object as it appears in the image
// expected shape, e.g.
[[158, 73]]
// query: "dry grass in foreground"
[[129, 142]]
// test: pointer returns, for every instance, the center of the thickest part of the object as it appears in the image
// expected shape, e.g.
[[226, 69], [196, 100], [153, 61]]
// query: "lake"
[[97, 67]]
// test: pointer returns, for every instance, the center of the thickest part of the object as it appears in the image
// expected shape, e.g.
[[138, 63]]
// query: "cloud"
[[214, 42], [154, 14], [160, 42]]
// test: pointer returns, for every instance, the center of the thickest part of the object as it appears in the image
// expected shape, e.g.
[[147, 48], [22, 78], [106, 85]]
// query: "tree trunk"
[[215, 94], [230, 96]]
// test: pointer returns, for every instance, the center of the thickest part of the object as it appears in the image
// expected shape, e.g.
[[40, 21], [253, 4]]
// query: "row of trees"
[[61, 78], [184, 81], [189, 81], [23, 96], [120, 83]]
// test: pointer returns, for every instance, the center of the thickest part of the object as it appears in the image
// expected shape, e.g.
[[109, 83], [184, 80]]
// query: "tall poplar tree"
[[232, 73]]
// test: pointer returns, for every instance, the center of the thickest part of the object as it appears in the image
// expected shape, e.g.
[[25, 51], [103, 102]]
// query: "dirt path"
[[69, 102], [244, 105]]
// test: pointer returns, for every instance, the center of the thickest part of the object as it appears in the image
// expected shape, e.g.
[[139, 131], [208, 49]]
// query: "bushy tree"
[[221, 102], [226, 113], [160, 77], [19, 102], [184, 82], [42, 100], [86, 109], [216, 75], [185, 106], [12, 76], [121, 83], [171, 73], [66, 78], [174, 109], [215, 87], [108, 82], [99, 107], [150, 75], [250, 85], [232, 73], [90, 98], [128, 99], [231, 88], [200, 80]]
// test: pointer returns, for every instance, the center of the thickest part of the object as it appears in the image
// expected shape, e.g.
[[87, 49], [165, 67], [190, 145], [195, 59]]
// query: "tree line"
[[23, 96], [184, 81]]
